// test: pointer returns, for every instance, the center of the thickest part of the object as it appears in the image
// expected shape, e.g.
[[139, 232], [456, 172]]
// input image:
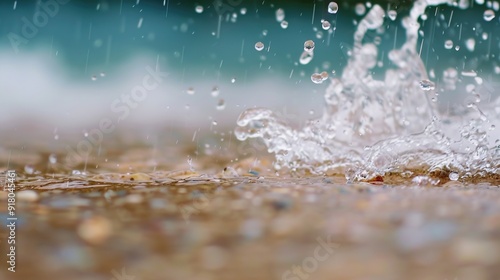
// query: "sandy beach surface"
[[134, 211]]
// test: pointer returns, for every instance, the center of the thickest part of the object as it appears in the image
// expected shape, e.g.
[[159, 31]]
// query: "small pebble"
[[27, 195], [95, 230], [213, 257], [134, 198], [476, 251]]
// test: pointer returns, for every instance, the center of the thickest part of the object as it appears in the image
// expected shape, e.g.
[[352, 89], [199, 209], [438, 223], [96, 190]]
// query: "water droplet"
[[233, 80], [453, 176], [243, 11], [280, 15], [199, 9], [93, 78], [215, 92], [470, 88], [306, 57], [470, 73], [448, 44], [221, 105], [360, 9], [392, 14], [478, 80], [318, 78], [264, 32], [284, 24], [470, 44], [259, 46], [319, 35], [28, 169], [190, 91], [309, 45], [52, 158], [333, 8], [76, 172], [489, 15], [214, 123], [326, 25], [324, 75], [427, 85]]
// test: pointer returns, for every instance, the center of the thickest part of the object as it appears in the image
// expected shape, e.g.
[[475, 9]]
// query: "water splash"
[[373, 127]]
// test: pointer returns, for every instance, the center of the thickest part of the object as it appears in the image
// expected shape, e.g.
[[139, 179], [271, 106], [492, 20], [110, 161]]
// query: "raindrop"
[[190, 91], [93, 78], [333, 8], [243, 11], [199, 9], [325, 25], [221, 105], [306, 57], [139, 24], [453, 176], [284, 24], [259, 46], [28, 169], [470, 88], [215, 92], [470, 44], [392, 14], [102, 74], [489, 15], [316, 78], [478, 80], [233, 80], [319, 35], [470, 73], [52, 159], [448, 44], [234, 17], [280, 15], [360, 9], [427, 85], [214, 123], [309, 45], [324, 75]]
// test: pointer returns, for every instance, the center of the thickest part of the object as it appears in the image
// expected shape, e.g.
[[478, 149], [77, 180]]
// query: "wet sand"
[[139, 211]]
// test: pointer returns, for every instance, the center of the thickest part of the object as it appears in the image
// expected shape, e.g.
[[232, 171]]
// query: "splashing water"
[[373, 127]]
